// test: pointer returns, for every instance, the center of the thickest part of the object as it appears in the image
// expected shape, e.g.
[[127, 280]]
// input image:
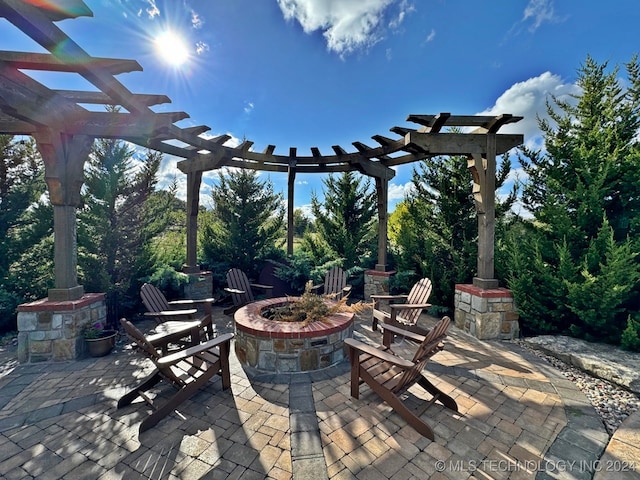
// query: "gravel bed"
[[612, 402]]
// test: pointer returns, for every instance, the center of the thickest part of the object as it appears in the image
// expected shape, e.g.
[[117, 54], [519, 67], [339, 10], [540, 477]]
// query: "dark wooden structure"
[[335, 284], [187, 370], [389, 375], [404, 310], [64, 131]]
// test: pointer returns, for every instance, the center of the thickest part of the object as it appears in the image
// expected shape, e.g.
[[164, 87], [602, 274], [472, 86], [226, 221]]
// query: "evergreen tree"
[[347, 221], [21, 234], [114, 224], [246, 223], [584, 194]]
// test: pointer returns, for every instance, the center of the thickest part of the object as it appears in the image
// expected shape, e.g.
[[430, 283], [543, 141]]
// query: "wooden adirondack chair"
[[188, 370], [175, 315], [335, 284], [404, 314], [241, 289], [389, 375]]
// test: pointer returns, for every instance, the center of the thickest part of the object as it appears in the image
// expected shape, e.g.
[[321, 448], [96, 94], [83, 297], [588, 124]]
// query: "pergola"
[[64, 131]]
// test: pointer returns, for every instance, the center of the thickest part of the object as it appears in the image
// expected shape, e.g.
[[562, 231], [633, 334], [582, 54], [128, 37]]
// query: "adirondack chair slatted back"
[[237, 280], [419, 293], [334, 281], [153, 299], [431, 345]]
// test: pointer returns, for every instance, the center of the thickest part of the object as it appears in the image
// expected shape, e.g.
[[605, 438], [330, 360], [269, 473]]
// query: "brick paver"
[[60, 421]]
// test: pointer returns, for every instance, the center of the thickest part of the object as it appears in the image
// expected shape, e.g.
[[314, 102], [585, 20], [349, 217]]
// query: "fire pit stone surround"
[[267, 346]]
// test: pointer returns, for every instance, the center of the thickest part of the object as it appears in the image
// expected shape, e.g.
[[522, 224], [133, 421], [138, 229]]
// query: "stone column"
[[51, 331], [486, 314], [376, 283]]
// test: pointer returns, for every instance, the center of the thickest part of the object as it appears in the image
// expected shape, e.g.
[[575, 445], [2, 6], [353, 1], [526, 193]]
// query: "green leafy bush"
[[630, 339]]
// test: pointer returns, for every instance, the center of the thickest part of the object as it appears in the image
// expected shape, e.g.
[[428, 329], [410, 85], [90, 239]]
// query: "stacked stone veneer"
[[267, 346], [200, 286], [376, 283], [52, 331], [486, 313]]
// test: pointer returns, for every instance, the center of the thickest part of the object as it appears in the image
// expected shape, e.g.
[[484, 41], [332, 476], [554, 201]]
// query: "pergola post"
[[194, 180], [291, 179], [64, 156], [382, 192], [484, 186]]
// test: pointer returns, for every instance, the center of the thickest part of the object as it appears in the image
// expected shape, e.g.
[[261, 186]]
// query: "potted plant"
[[100, 340]]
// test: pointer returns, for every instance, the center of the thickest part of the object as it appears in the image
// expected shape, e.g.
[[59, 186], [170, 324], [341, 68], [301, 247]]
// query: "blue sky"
[[317, 73]]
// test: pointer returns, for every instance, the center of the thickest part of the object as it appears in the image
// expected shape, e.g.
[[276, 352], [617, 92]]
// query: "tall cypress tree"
[[246, 222], [346, 220], [584, 194]]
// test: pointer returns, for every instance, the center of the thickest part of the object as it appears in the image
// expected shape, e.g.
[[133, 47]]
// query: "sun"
[[172, 48]]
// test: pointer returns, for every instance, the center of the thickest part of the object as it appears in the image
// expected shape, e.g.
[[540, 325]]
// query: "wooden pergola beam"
[[50, 63]]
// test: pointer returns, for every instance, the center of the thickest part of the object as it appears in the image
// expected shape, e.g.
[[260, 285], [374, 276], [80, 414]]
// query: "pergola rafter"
[[64, 130]]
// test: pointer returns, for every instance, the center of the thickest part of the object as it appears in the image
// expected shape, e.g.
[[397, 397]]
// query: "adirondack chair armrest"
[[408, 306], [236, 291], [317, 288], [402, 332], [176, 357], [172, 313], [164, 338], [261, 286], [196, 301], [346, 289], [376, 352], [398, 298]]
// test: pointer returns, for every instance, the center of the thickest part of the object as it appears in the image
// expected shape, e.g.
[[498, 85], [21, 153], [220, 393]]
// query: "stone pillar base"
[[376, 282], [486, 314], [52, 330], [200, 286]]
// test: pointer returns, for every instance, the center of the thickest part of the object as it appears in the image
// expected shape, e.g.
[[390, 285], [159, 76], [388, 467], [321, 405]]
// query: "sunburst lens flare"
[[172, 48]]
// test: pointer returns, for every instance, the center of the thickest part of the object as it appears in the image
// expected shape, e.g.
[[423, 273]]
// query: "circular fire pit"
[[269, 346]]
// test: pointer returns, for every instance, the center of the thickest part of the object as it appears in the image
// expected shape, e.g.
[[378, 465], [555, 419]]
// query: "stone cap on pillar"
[[65, 294], [485, 283]]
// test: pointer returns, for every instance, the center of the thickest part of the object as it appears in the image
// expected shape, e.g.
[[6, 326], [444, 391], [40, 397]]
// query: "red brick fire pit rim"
[[249, 319]]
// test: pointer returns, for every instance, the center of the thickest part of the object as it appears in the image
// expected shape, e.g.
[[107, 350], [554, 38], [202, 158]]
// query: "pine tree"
[[584, 194], [347, 220], [246, 222]]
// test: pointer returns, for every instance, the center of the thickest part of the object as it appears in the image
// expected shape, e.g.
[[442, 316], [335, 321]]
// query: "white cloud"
[[538, 12], [196, 20], [399, 192], [431, 36], [528, 99], [152, 9], [201, 47], [347, 25]]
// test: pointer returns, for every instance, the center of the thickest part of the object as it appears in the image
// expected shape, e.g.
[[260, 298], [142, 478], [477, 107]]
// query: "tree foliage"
[[578, 271], [246, 223], [347, 219]]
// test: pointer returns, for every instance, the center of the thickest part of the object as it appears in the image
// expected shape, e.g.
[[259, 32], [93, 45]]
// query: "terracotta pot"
[[99, 347]]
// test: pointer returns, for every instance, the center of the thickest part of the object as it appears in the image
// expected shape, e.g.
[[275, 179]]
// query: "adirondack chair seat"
[[175, 315], [390, 375], [241, 290], [404, 310], [335, 284], [187, 370]]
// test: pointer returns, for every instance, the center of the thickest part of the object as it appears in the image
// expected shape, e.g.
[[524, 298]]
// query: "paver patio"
[[519, 419]]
